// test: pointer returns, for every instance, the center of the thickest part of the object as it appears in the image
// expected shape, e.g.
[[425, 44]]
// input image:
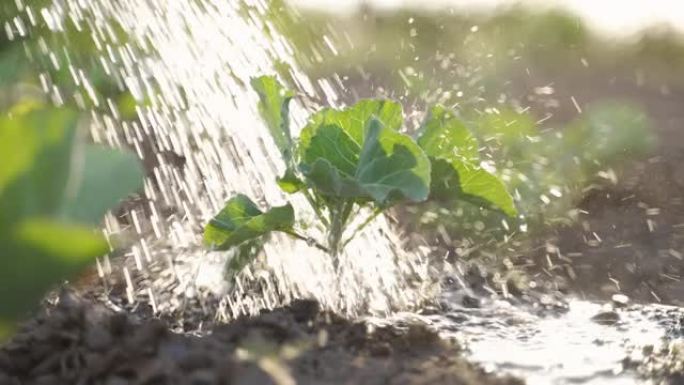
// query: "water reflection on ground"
[[587, 343]]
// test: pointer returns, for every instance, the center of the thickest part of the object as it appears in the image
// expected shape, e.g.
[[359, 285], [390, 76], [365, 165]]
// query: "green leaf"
[[13, 64], [443, 135], [290, 182], [274, 102], [353, 120], [455, 169], [101, 179], [335, 145], [51, 173], [37, 254], [72, 244], [389, 166], [461, 179], [18, 148], [241, 220], [328, 180], [392, 166], [358, 153], [38, 171], [50, 181]]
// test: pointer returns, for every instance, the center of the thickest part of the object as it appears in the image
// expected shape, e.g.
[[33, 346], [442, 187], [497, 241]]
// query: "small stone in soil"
[[470, 302], [606, 318], [620, 300]]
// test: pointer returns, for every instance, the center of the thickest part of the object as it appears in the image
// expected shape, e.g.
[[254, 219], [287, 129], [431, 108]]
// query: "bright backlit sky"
[[615, 17]]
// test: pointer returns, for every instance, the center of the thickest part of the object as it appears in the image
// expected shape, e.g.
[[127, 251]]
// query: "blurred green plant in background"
[[549, 172], [54, 186], [54, 190], [34, 63]]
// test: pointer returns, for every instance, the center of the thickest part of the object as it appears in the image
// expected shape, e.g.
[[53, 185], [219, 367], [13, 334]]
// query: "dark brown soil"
[[630, 237], [79, 342]]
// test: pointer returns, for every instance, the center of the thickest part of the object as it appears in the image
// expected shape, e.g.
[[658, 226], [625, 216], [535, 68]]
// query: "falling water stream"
[[187, 64]]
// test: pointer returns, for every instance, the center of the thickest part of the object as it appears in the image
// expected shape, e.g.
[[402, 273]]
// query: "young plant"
[[53, 190], [353, 158]]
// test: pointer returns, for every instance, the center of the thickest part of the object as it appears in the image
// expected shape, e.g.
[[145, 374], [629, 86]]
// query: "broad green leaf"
[[328, 180], [443, 135], [353, 120], [24, 107], [274, 102], [455, 169], [290, 182], [18, 148], [461, 179], [72, 244], [241, 220], [392, 166], [36, 255], [48, 184], [126, 104], [237, 212], [389, 166], [333, 144], [101, 178], [12, 64], [345, 152], [49, 172], [39, 171]]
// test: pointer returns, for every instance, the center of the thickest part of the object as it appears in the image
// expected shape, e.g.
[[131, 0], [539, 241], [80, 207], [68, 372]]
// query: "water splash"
[[186, 63], [562, 348], [558, 343]]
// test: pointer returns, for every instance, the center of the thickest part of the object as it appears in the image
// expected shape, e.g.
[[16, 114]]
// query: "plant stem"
[[308, 240], [316, 208], [334, 230], [339, 215], [346, 212], [363, 225]]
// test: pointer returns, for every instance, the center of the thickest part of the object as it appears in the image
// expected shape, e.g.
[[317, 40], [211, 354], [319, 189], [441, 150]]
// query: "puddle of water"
[[563, 348]]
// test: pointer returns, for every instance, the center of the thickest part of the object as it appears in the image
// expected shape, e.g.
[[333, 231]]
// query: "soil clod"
[[79, 342]]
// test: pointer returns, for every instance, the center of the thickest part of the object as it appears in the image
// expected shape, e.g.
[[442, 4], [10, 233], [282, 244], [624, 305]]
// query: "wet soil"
[[602, 343], [629, 237], [78, 341]]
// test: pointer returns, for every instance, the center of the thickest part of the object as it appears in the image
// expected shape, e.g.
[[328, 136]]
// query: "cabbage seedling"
[[352, 158]]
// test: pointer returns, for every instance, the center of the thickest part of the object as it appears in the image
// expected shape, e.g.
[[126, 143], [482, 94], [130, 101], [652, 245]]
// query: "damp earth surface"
[[160, 309]]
